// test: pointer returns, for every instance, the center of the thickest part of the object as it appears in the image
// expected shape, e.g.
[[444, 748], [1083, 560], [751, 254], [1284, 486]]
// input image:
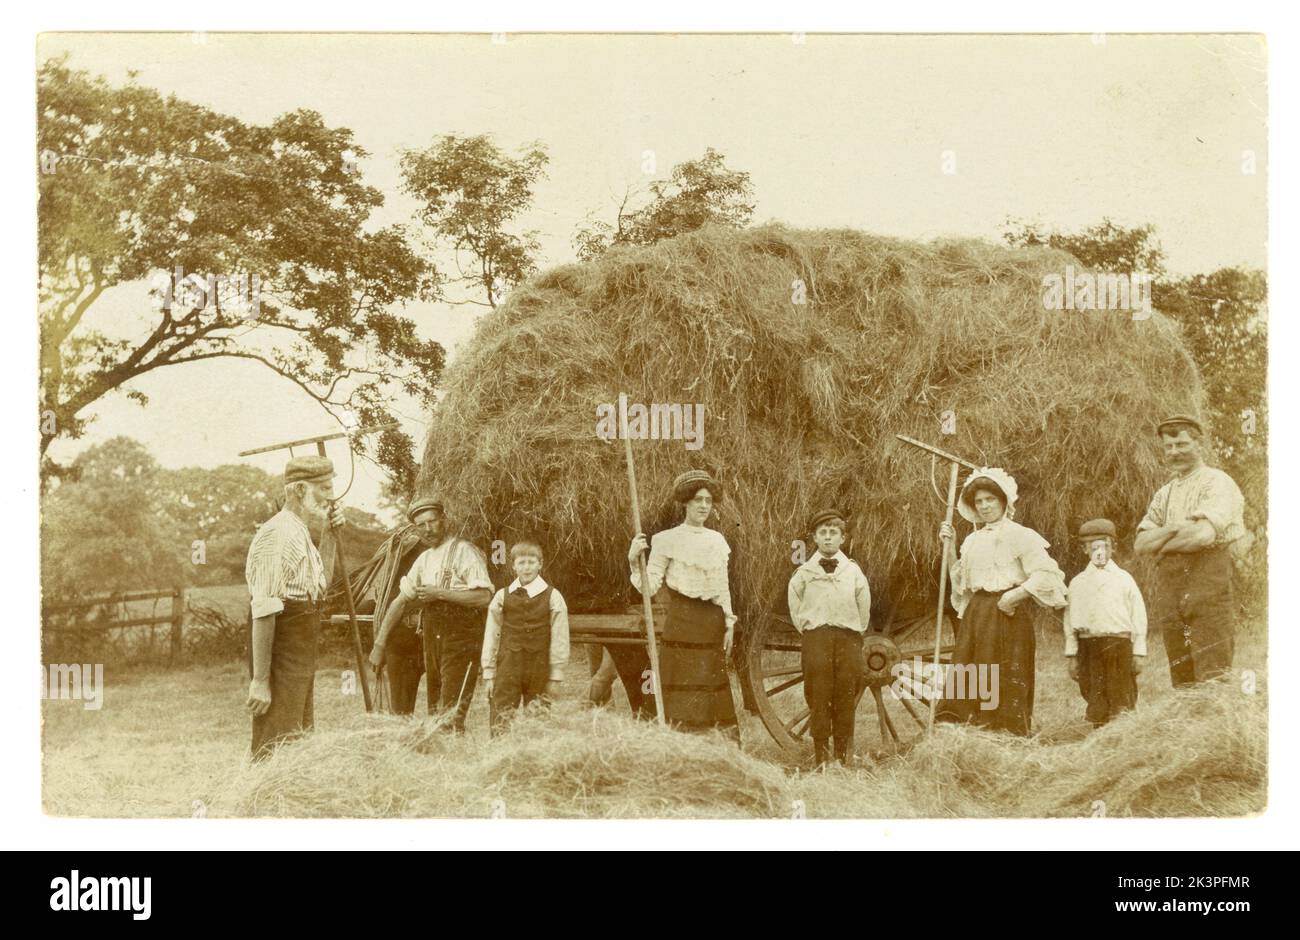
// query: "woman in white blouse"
[[1002, 565], [691, 562]]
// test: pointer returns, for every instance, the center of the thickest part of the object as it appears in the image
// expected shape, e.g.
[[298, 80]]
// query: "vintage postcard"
[[638, 426]]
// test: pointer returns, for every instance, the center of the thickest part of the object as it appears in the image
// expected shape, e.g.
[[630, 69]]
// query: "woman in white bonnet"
[[1001, 566]]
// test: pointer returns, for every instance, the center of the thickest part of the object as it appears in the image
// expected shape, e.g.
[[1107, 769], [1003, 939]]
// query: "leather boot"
[[821, 753], [844, 751]]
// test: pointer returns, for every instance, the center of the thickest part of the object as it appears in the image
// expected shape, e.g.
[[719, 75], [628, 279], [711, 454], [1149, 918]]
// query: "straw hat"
[[692, 481]]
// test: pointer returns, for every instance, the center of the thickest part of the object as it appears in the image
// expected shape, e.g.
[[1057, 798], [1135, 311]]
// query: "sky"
[[834, 130]]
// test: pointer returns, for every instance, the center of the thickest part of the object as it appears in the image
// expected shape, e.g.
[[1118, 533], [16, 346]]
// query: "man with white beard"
[[286, 580]]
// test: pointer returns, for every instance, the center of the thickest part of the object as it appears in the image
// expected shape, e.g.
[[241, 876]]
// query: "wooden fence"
[[79, 619]]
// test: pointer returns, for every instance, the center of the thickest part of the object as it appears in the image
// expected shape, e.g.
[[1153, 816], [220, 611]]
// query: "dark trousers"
[[1194, 611], [432, 664], [458, 646], [292, 678], [1106, 676], [521, 678], [832, 681], [403, 666]]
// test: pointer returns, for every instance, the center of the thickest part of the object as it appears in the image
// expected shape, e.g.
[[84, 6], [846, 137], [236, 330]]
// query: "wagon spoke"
[[886, 726], [912, 681], [799, 723], [788, 684], [927, 654], [783, 671], [916, 695], [884, 713], [893, 732], [911, 709], [903, 634]]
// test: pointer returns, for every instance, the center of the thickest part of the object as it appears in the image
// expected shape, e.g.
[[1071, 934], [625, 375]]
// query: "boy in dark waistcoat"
[[526, 642]]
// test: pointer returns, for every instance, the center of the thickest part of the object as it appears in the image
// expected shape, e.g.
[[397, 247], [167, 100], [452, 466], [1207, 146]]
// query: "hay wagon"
[[896, 653], [893, 705]]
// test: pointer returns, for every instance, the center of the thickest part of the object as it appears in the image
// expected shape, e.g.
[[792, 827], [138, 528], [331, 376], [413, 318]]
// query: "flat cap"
[[1173, 421], [421, 503], [1096, 529], [309, 469], [823, 516]]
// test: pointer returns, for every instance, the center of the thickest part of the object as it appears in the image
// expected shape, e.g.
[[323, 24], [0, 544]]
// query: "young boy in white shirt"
[[830, 606], [526, 641], [1105, 627]]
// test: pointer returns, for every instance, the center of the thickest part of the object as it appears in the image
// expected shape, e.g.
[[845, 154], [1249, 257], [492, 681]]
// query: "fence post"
[[178, 620]]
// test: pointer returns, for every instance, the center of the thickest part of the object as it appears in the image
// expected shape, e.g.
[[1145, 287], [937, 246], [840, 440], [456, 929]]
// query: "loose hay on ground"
[[1194, 752], [1199, 752]]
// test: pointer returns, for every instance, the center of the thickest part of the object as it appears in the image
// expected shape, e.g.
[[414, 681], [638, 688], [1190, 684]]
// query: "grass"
[[171, 744]]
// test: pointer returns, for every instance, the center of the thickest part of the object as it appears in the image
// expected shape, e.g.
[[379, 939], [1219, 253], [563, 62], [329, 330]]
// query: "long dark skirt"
[[987, 638], [697, 692]]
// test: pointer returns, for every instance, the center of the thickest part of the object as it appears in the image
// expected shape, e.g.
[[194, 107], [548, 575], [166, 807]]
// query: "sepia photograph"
[[653, 425]]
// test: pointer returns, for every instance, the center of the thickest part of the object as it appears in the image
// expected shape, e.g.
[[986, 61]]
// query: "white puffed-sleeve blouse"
[[1002, 555], [692, 560]]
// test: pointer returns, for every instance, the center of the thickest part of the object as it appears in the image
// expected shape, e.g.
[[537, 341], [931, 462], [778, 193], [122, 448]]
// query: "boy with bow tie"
[[830, 606], [526, 642], [1105, 627]]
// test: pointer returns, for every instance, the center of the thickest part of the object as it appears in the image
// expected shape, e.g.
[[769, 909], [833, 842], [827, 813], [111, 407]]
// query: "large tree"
[[471, 193], [137, 187], [1104, 246], [214, 512], [696, 193], [105, 529]]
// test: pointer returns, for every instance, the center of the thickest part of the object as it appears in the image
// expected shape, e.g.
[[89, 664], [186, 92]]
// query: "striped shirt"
[[282, 565]]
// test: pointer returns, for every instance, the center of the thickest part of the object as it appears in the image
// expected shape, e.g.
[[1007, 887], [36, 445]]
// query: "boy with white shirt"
[[1105, 627], [526, 643], [830, 606]]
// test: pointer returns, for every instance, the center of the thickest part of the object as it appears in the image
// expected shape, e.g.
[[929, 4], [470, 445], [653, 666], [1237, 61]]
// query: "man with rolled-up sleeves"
[[1188, 528]]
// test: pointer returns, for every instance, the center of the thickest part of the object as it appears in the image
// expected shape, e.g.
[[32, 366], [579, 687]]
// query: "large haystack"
[[802, 401]]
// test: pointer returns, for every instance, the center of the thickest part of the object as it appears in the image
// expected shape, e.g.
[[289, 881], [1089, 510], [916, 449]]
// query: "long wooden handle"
[[352, 615], [652, 645], [943, 591]]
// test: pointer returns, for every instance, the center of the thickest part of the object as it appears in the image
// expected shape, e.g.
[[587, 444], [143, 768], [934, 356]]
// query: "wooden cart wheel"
[[896, 709]]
